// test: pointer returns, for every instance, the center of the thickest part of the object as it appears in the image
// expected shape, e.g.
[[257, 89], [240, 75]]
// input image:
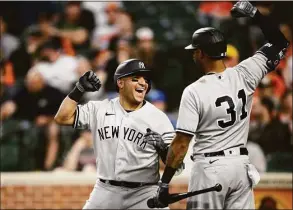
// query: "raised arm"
[[67, 110], [278, 44]]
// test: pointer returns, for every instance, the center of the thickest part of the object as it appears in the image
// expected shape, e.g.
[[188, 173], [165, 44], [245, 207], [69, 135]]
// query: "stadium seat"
[[280, 162]]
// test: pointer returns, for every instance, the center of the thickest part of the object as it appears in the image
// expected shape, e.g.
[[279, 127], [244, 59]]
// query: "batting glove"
[[88, 82], [162, 196], [155, 139], [243, 8]]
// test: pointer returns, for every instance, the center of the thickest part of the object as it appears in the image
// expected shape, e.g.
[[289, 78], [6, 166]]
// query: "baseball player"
[[215, 110], [124, 130]]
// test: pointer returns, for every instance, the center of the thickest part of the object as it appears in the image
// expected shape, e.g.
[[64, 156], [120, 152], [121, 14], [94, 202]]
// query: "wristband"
[[163, 185], [75, 94]]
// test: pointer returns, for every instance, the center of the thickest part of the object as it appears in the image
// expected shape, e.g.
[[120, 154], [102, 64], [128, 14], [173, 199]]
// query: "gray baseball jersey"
[[121, 153], [216, 107]]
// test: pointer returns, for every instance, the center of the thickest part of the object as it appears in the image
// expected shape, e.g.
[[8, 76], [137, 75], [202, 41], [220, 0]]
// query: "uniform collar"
[[210, 73]]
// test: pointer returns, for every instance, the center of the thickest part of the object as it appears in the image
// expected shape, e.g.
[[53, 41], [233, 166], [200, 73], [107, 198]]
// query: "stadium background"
[[46, 46]]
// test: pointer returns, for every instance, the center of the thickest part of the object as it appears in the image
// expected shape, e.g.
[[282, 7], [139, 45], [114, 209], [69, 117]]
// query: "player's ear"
[[198, 53], [120, 83], [201, 54]]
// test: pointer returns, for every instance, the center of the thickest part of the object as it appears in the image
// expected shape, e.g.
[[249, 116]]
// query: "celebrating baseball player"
[[215, 110], [128, 134]]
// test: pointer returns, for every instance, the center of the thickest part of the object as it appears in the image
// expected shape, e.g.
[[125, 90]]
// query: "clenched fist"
[[88, 82], [243, 8], [155, 139]]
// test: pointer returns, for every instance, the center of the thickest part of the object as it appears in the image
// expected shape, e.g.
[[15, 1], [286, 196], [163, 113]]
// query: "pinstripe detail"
[[185, 131], [76, 117]]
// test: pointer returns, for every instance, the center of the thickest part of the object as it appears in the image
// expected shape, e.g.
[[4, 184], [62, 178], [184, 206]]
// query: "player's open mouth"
[[139, 90]]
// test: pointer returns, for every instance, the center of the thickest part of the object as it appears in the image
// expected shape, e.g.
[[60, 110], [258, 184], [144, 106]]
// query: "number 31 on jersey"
[[231, 110]]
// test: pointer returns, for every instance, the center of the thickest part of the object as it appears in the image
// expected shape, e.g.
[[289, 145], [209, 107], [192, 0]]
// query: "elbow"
[[57, 119]]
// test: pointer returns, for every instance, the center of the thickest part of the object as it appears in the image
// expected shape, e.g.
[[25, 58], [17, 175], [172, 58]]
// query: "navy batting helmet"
[[211, 41], [131, 67]]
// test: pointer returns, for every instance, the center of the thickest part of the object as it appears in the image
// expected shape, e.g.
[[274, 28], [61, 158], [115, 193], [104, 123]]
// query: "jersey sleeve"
[[84, 115], [188, 116], [253, 69], [166, 129]]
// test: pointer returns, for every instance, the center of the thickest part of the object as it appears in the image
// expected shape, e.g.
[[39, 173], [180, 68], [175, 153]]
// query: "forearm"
[[270, 30], [175, 157], [66, 112], [77, 36], [71, 160], [176, 153], [52, 151]]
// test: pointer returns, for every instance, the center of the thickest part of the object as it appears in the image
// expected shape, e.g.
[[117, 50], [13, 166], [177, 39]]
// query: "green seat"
[[9, 153], [280, 162], [9, 146], [18, 143]]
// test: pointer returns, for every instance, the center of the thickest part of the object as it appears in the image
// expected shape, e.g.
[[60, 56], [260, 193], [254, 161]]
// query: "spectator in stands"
[[57, 69], [45, 22], [5, 91], [125, 30], [83, 65], [272, 86], [274, 136], [22, 58], [166, 70], [99, 60], [9, 43], [213, 13], [98, 8], [287, 73], [268, 203], [285, 114], [74, 28], [258, 118], [103, 33], [35, 102], [81, 156], [124, 51], [146, 48], [232, 58]]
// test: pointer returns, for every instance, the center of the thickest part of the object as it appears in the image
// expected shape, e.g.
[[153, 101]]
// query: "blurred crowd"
[[47, 46]]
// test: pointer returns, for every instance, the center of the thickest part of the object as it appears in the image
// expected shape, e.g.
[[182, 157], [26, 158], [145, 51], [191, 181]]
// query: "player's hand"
[[155, 139], [88, 82], [162, 196], [243, 8]]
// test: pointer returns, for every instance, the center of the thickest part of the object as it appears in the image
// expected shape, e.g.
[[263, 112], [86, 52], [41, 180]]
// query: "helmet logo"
[[141, 65]]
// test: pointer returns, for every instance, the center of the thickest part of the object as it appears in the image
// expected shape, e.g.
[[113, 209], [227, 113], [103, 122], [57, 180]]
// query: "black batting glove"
[[243, 8], [88, 82], [162, 197], [155, 139]]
